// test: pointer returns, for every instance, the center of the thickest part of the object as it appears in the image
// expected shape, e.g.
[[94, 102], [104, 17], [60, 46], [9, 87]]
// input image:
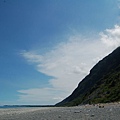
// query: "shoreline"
[[110, 111]]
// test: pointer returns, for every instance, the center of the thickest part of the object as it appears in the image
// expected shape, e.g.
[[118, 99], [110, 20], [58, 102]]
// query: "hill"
[[101, 85]]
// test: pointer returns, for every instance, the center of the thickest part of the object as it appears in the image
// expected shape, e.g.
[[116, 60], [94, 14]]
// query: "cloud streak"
[[68, 63], [111, 37]]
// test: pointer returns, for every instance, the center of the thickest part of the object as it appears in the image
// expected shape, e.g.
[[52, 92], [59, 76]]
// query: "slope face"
[[107, 90], [101, 85]]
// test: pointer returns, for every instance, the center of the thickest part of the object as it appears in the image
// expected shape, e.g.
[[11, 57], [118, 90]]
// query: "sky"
[[48, 46]]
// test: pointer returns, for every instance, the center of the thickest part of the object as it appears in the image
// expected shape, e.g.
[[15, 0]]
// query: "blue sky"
[[48, 46]]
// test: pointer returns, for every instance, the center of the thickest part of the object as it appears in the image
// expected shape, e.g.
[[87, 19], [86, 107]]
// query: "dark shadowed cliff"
[[101, 85]]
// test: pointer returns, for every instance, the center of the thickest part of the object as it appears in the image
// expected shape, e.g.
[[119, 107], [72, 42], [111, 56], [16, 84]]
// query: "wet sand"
[[87, 112]]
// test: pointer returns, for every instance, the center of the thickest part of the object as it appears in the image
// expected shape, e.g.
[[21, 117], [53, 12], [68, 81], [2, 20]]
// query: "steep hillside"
[[101, 85]]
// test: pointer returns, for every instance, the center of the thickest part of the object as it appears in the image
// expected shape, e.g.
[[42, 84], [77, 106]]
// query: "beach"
[[83, 112]]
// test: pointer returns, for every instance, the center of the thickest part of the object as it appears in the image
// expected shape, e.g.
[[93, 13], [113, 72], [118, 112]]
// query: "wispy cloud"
[[43, 96], [68, 62], [111, 37]]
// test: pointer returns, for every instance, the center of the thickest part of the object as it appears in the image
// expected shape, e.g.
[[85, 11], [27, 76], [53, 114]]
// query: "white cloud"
[[32, 57], [40, 96], [111, 37], [69, 62]]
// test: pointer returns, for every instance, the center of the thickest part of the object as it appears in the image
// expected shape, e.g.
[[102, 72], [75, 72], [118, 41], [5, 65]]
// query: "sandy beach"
[[87, 112]]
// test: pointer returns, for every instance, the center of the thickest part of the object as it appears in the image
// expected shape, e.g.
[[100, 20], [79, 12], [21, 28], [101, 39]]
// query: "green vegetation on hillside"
[[102, 85], [108, 90]]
